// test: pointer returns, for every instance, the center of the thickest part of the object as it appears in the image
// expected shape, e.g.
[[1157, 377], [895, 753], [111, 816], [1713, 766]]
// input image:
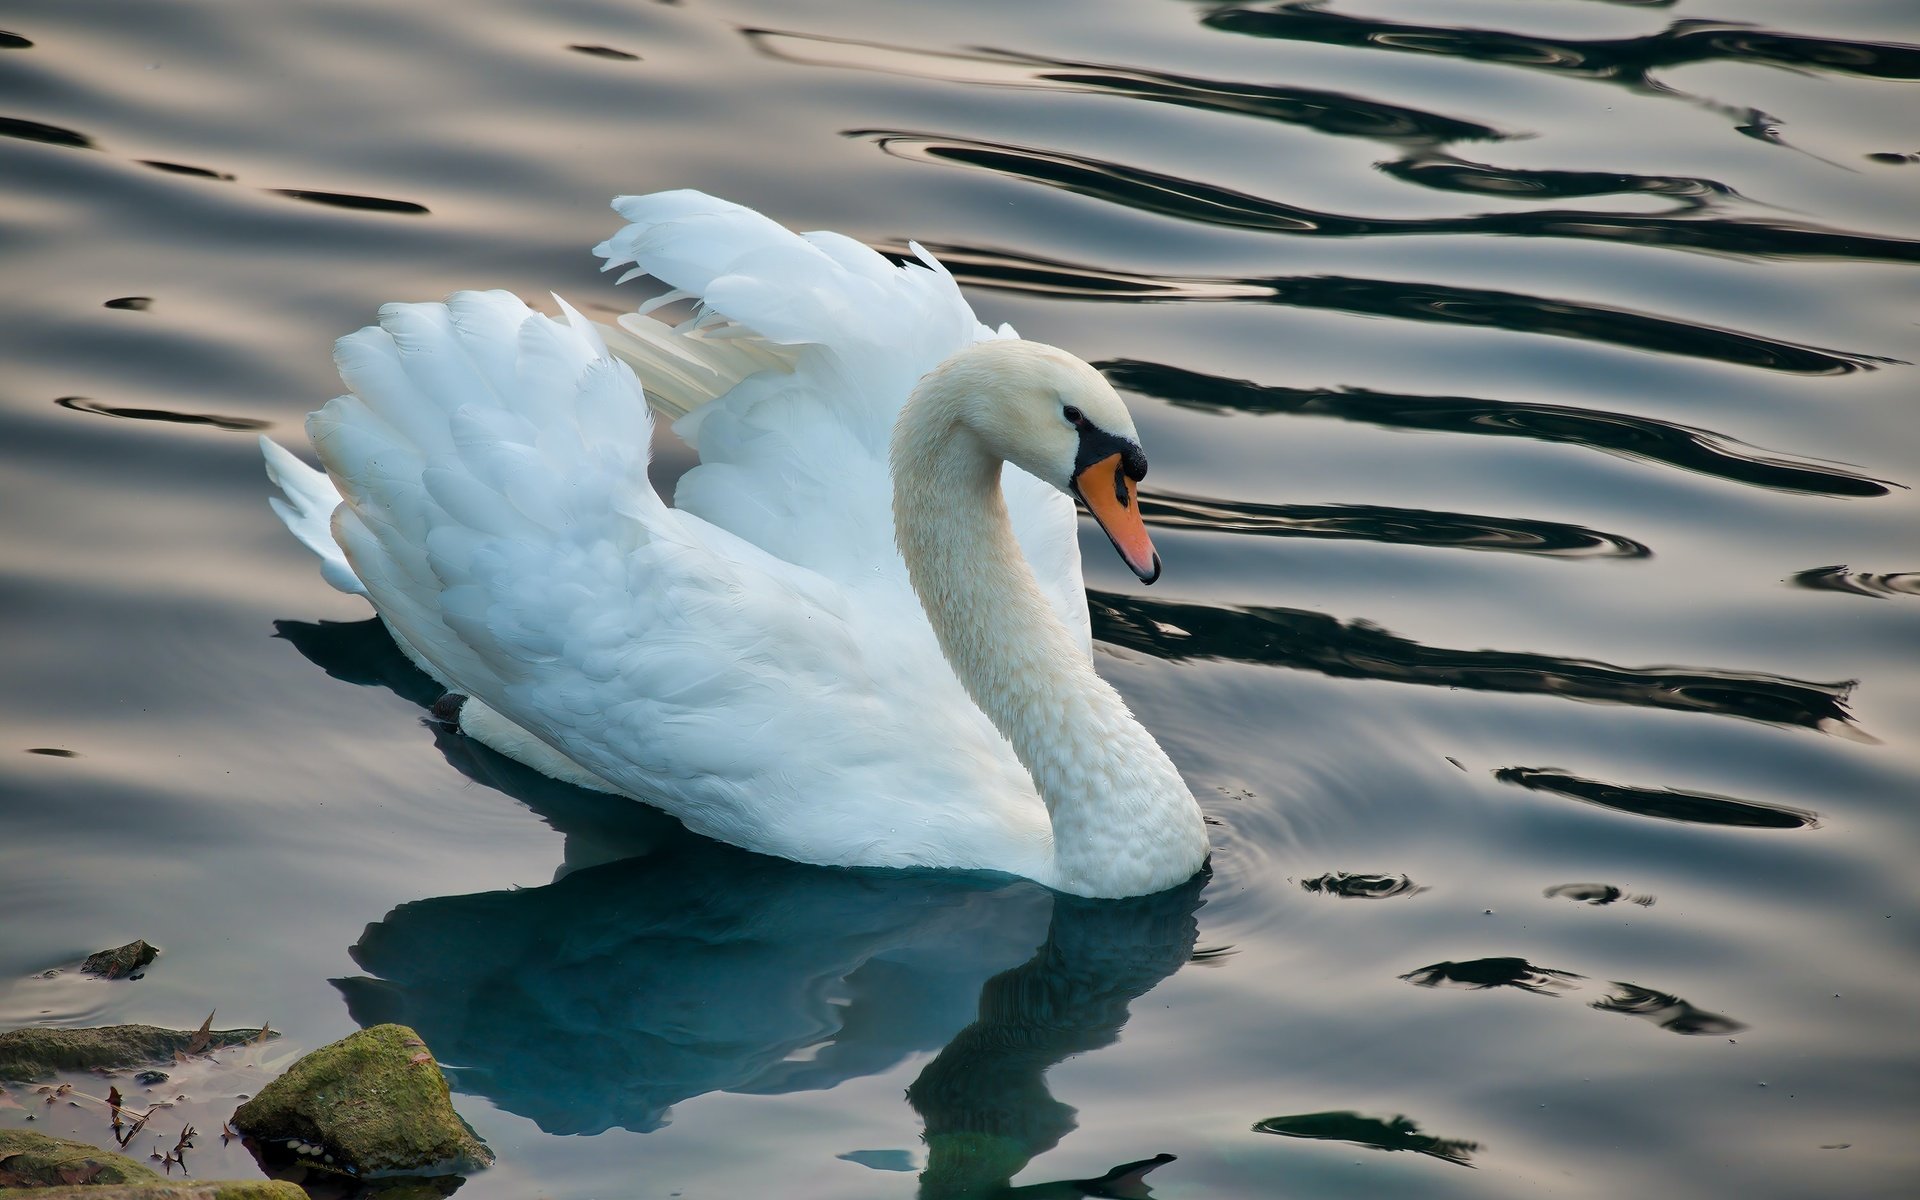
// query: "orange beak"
[[1109, 495]]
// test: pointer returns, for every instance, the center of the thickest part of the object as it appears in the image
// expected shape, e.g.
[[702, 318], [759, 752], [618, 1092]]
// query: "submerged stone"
[[375, 1101], [121, 961], [29, 1054]]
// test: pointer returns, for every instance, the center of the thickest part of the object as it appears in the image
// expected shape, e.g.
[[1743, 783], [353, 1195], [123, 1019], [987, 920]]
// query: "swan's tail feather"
[[307, 509], [477, 432]]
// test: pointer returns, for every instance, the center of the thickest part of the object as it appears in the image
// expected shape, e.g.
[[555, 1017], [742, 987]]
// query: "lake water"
[[1528, 392]]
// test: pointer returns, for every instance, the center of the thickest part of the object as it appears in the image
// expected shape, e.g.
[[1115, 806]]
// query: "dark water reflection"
[[1665, 803], [1191, 200], [1630, 61], [1647, 438], [1361, 650], [1394, 526], [684, 966], [1392, 1133], [1404, 300]]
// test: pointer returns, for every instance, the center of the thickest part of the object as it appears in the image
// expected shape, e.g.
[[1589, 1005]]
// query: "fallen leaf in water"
[[202, 1037]]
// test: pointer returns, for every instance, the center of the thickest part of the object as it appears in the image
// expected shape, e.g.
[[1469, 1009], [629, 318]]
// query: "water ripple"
[[1428, 302], [1162, 194], [1349, 886], [40, 131], [1668, 804], [350, 200], [1337, 113], [1621, 60], [1396, 526], [237, 424], [1598, 895], [174, 168], [1312, 641], [1838, 578], [1392, 1133], [1484, 974], [1645, 438], [1667, 1011], [1449, 174]]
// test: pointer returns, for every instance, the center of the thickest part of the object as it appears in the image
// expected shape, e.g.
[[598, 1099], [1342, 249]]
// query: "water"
[[1528, 395]]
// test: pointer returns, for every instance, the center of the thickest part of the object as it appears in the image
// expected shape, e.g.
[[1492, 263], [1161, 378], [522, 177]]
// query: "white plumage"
[[754, 659]]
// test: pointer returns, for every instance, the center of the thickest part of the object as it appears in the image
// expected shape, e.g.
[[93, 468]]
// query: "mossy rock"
[[34, 1160], [373, 1103], [244, 1189], [121, 961], [30, 1054]]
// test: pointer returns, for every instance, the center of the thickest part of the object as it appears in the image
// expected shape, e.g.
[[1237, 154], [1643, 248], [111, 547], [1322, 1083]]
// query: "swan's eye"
[[1073, 415]]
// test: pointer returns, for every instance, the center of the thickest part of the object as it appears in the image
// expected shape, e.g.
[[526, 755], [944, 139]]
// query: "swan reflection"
[[660, 966]]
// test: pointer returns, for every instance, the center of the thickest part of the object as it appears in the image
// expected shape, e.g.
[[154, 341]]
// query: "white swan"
[[760, 660]]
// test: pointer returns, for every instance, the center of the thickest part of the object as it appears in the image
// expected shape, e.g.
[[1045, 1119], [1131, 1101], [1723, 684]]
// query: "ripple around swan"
[[1391, 1133], [1336, 113], [1312, 641], [1621, 60], [236, 424], [1162, 194], [1396, 526], [1668, 804], [1859, 583], [1426, 302], [1646, 438]]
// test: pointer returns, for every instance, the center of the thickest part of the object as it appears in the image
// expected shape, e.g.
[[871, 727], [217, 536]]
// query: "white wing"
[[496, 508], [795, 460]]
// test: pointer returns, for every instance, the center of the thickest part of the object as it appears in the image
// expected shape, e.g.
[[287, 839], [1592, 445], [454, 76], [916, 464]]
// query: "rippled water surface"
[[1529, 393]]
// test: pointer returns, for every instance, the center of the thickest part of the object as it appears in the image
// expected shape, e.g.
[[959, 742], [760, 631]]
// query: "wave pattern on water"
[[1336, 113], [1623, 60], [1838, 578], [236, 424], [1668, 804], [1311, 641], [1350, 886], [1375, 1133], [1646, 438], [1395, 526], [1169, 195], [1408, 301]]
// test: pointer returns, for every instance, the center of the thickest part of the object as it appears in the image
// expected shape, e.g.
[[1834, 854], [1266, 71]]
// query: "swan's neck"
[[1123, 821]]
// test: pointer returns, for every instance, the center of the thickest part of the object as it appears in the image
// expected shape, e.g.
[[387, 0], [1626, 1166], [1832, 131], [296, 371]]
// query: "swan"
[[859, 636]]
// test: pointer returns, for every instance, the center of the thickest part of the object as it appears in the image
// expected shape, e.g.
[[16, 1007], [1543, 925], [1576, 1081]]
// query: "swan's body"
[[757, 660]]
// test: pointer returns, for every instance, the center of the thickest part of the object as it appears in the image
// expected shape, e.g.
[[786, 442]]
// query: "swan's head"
[[1056, 418]]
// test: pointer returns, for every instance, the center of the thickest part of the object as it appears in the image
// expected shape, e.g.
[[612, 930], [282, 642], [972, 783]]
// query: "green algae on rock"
[[121, 961], [187, 1189], [34, 1160], [373, 1103], [30, 1054]]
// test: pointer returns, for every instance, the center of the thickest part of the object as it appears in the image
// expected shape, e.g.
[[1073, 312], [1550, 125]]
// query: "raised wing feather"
[[794, 460]]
